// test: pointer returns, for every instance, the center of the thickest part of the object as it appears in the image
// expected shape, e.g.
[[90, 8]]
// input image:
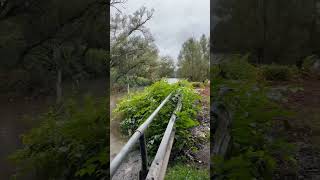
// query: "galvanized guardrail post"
[[144, 158], [134, 138]]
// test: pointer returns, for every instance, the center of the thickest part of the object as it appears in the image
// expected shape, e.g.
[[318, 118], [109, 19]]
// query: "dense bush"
[[236, 67], [141, 81], [198, 84], [137, 107], [308, 62], [70, 143], [95, 62], [255, 152], [132, 81], [308, 67], [275, 72], [257, 149]]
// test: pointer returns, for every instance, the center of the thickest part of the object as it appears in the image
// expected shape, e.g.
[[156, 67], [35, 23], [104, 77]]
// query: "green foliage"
[[308, 62], [131, 53], [265, 29], [198, 84], [186, 172], [70, 143], [133, 81], [193, 60], [166, 67], [141, 81], [237, 67], [95, 61], [275, 72], [137, 107], [30, 38], [255, 151], [248, 165]]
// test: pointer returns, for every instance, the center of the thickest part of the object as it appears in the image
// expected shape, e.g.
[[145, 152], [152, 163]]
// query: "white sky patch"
[[174, 21]]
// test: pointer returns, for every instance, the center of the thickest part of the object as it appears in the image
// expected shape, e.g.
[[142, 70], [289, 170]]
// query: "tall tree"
[[133, 52], [193, 60], [166, 67]]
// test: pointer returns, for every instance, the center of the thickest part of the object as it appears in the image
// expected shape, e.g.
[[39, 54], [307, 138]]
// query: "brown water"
[[117, 140]]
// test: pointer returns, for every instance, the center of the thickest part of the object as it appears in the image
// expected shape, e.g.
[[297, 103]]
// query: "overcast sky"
[[174, 21]]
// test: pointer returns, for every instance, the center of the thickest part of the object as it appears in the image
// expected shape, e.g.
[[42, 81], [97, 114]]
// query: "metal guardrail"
[[159, 165], [167, 141]]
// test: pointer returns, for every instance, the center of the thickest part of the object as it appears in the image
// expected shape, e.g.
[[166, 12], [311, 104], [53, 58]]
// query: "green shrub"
[[95, 61], [308, 62], [276, 72], [255, 151], [184, 172], [137, 107], [198, 84], [133, 81], [236, 67], [141, 81], [70, 143]]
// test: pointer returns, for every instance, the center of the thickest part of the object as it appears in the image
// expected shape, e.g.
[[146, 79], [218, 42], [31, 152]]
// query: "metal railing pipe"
[[167, 156], [134, 138], [159, 161]]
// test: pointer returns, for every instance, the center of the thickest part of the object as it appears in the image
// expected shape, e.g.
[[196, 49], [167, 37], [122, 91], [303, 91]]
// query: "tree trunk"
[[59, 86]]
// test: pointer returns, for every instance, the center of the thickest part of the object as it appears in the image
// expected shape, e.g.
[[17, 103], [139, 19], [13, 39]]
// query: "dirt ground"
[[303, 130], [202, 156]]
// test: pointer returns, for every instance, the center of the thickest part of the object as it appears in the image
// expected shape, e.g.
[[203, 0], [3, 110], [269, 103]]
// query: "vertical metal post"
[[144, 158]]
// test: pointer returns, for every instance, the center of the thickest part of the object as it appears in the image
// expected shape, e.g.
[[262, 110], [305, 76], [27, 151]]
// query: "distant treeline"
[[272, 31], [193, 60], [135, 56]]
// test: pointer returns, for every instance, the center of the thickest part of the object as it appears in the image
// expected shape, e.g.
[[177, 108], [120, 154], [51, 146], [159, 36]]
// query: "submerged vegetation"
[[70, 143]]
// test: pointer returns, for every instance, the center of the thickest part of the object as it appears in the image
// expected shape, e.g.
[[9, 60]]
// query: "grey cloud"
[[174, 21]]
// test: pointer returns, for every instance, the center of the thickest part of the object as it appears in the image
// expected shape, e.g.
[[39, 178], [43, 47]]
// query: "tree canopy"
[[272, 31], [133, 50], [40, 39], [193, 60]]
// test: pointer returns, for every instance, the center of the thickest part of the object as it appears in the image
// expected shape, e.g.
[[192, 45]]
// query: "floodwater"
[[117, 141], [172, 80]]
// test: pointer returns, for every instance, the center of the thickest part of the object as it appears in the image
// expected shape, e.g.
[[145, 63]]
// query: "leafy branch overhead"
[[32, 30], [133, 50]]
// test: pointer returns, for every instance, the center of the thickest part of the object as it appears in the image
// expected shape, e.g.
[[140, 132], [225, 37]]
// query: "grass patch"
[[276, 72], [186, 172]]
